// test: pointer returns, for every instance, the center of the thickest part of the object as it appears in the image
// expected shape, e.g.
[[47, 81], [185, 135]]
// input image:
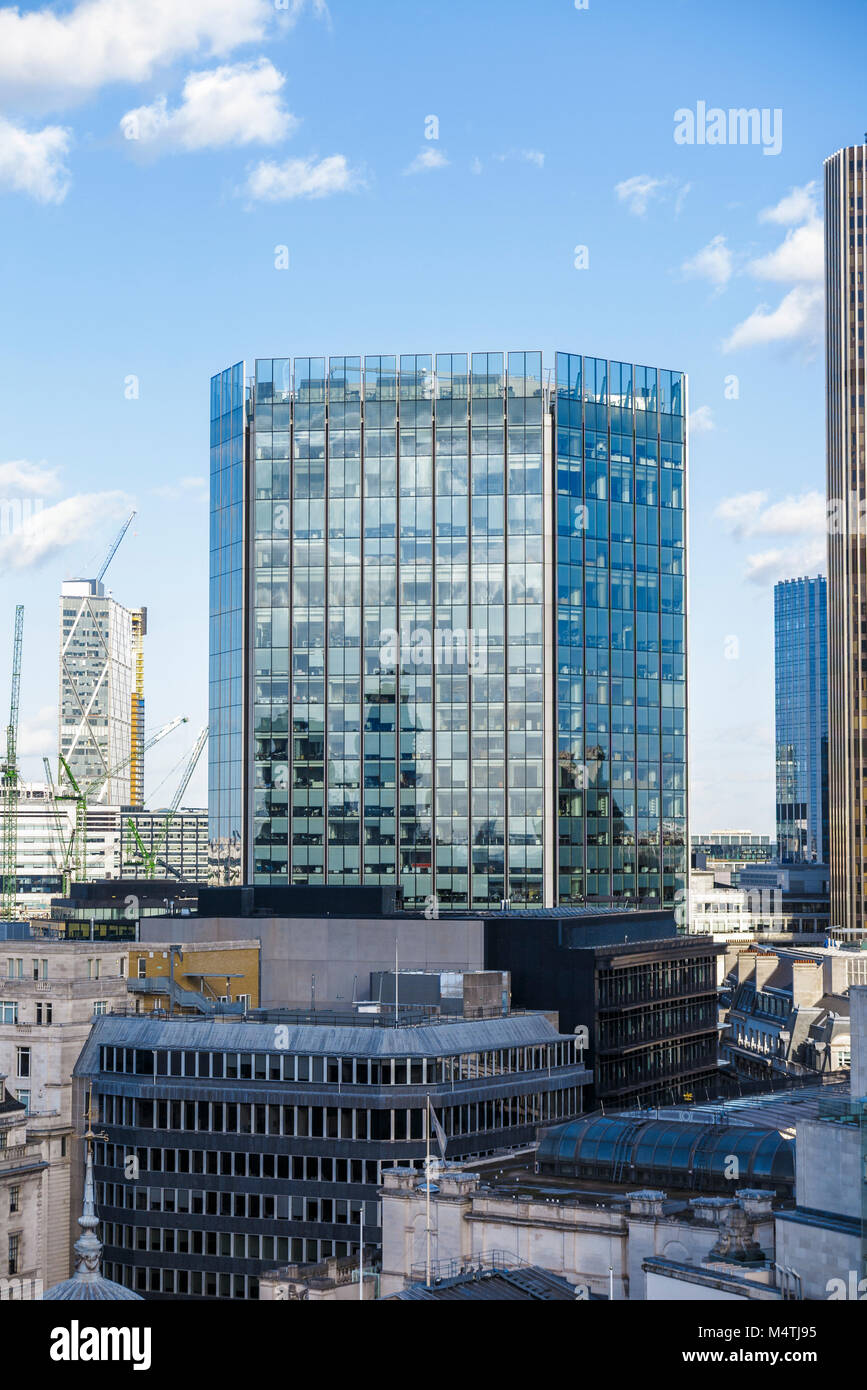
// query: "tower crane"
[[10, 789], [150, 857], [76, 852], [112, 552]]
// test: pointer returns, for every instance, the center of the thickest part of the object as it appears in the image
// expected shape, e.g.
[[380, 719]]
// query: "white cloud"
[[33, 161], [302, 178], [427, 159], [54, 529], [772, 565], [799, 259], [639, 192], [701, 420], [33, 479], [229, 105], [527, 156], [797, 206], [748, 515], [713, 263], [797, 318], [803, 517], [51, 59]]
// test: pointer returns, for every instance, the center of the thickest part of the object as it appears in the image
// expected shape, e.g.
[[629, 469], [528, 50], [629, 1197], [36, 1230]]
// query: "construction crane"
[[64, 840], [10, 789], [113, 551], [150, 857], [76, 851]]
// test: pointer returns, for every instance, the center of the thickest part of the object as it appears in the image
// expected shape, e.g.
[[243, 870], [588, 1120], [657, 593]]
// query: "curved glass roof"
[[671, 1147]]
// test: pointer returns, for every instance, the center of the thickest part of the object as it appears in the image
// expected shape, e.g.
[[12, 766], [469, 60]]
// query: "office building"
[[845, 251], [801, 704], [727, 852], [646, 997], [101, 732], [471, 681], [259, 1143]]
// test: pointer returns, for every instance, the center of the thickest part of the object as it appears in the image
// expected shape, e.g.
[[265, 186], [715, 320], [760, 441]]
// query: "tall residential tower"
[[801, 701], [448, 645], [845, 254]]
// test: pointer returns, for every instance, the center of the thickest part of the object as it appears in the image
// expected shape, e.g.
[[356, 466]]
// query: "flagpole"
[[427, 1186], [361, 1257]]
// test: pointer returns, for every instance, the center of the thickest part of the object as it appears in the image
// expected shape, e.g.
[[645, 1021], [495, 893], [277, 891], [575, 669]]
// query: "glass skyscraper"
[[448, 645], [801, 700]]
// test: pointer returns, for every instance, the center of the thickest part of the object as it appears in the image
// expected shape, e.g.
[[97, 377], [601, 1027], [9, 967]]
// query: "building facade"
[[845, 250], [461, 583], [259, 1144], [112, 852], [801, 705], [101, 710]]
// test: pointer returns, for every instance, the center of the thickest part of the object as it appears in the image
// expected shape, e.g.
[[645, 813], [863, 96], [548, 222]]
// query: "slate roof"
[[426, 1040]]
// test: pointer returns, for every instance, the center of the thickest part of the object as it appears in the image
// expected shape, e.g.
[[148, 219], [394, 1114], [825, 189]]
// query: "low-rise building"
[[768, 904], [786, 1010], [262, 1142], [206, 978]]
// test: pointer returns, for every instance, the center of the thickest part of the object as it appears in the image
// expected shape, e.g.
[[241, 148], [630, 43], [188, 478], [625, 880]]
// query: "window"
[[100, 1006], [14, 1199], [8, 1011], [93, 968], [121, 967], [14, 1252], [44, 1013], [15, 969], [23, 1061], [142, 967], [24, 1097], [40, 969]]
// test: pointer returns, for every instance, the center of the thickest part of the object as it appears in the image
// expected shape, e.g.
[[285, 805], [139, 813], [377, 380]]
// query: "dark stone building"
[[650, 1005]]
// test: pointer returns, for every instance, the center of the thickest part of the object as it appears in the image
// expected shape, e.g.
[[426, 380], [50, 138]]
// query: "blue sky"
[[154, 156]]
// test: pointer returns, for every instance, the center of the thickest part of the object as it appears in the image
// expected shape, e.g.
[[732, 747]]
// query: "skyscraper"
[[845, 253], [460, 584], [801, 701], [101, 712]]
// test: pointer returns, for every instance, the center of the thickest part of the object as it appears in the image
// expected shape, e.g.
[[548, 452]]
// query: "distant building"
[[101, 729], [771, 903], [259, 1143], [730, 851], [801, 703], [112, 853], [788, 1010]]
